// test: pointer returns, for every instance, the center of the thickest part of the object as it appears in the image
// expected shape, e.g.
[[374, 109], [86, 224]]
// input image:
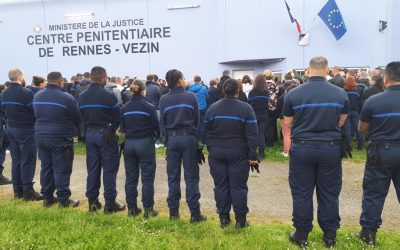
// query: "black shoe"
[[329, 240], [225, 220], [31, 195], [68, 203], [173, 214], [133, 212], [4, 180], [48, 202], [368, 236], [113, 207], [150, 212], [197, 217], [18, 194], [94, 205], [299, 239], [241, 221]]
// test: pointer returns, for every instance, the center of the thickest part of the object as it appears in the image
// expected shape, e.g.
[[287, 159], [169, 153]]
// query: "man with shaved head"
[[316, 111]]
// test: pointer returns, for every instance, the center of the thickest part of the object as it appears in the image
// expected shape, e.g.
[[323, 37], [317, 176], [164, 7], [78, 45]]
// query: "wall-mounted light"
[[180, 7], [382, 25], [84, 14]]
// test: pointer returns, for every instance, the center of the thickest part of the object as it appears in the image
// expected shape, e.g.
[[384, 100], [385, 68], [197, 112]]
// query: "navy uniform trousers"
[[140, 156], [376, 185], [229, 168], [56, 155], [100, 155], [22, 145], [183, 149], [320, 167]]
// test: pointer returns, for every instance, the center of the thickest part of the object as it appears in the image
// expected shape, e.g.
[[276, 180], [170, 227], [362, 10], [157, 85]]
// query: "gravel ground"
[[269, 193]]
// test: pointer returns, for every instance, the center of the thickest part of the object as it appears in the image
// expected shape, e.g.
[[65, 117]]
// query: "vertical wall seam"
[[45, 32]]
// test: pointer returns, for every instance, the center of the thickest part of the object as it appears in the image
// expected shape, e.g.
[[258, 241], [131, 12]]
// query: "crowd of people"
[[235, 119]]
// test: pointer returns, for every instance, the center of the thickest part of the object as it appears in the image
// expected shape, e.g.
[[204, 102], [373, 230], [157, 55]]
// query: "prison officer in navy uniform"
[[57, 119], [17, 102], [259, 99], [179, 121], [231, 130], [380, 119], [316, 111], [101, 116], [141, 127]]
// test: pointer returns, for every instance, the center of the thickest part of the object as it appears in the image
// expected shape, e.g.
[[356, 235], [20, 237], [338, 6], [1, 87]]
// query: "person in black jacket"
[[3, 142], [376, 87], [83, 85], [179, 123], [141, 127], [101, 115], [17, 102], [153, 93], [231, 129], [57, 118], [213, 94], [259, 99]]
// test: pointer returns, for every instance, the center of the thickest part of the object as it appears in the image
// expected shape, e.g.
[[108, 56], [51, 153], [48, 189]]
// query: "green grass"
[[29, 226], [272, 154]]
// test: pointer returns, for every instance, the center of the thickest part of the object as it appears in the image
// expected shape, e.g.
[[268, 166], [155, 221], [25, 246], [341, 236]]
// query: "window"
[[238, 74]]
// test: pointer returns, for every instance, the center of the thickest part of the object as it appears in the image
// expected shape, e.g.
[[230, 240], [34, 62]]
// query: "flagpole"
[[304, 27]]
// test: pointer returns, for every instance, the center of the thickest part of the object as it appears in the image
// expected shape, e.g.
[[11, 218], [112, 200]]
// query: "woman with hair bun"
[[141, 127], [231, 132]]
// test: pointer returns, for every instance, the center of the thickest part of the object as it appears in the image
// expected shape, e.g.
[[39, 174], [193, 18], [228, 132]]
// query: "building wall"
[[203, 38]]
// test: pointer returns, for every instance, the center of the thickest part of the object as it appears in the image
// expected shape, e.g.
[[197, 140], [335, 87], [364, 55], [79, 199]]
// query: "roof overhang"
[[254, 61]]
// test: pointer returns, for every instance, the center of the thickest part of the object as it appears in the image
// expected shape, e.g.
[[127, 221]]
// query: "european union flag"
[[332, 17]]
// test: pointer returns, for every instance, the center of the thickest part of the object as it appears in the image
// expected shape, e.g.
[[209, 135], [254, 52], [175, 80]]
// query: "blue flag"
[[290, 14], [332, 17]]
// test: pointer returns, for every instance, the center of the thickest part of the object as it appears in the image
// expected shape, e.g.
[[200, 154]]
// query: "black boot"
[[94, 205], [68, 203], [329, 239], [49, 201], [173, 214], [299, 238], [4, 180], [18, 194], [32, 195], [241, 221], [197, 217], [113, 207], [368, 236], [150, 212], [225, 220], [134, 211]]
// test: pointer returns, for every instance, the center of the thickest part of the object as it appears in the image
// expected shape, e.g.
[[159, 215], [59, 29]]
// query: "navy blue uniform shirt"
[[355, 99], [139, 119], [179, 111], [382, 112], [56, 112], [153, 93], [259, 102], [17, 102], [231, 123], [99, 107], [316, 107]]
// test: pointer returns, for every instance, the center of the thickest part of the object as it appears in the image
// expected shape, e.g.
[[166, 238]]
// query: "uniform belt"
[[180, 132], [393, 144], [334, 142]]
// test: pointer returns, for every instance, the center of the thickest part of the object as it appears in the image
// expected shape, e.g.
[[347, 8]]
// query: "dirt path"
[[269, 193]]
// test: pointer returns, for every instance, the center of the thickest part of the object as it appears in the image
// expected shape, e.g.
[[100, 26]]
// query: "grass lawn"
[[29, 226], [273, 154]]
